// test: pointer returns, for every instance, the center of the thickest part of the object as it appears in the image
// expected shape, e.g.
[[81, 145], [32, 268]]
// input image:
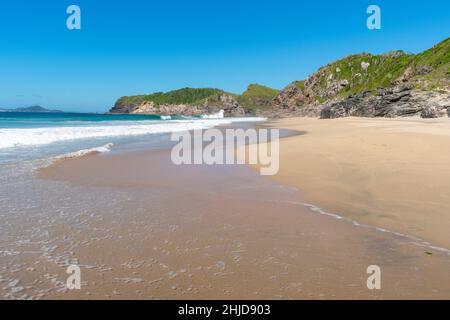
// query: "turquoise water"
[[36, 120], [28, 136]]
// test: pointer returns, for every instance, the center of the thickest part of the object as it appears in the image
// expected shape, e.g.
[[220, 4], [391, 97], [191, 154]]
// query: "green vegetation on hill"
[[367, 72], [256, 97], [436, 57], [194, 96], [429, 70], [432, 67], [299, 84], [364, 72]]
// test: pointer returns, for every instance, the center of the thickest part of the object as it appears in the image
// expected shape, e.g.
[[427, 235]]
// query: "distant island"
[[31, 109], [394, 84]]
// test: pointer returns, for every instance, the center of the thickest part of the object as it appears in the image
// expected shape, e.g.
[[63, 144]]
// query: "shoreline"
[[256, 229], [294, 132], [388, 173]]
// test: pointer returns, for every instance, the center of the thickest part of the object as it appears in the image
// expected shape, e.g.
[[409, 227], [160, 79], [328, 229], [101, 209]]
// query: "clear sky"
[[128, 47]]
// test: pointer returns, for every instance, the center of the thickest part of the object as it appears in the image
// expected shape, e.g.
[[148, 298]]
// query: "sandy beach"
[[389, 173], [225, 155], [225, 232]]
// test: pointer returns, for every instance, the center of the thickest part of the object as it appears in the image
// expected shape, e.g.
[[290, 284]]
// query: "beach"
[[141, 227], [214, 152], [226, 232], [390, 173]]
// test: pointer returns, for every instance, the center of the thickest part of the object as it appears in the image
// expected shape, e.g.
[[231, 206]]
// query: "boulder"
[[434, 111]]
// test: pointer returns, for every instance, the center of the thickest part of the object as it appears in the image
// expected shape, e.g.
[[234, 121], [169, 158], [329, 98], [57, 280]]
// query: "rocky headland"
[[395, 84]]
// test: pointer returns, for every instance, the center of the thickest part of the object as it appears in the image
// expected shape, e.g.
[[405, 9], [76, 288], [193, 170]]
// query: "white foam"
[[81, 153], [414, 240], [218, 115], [17, 137]]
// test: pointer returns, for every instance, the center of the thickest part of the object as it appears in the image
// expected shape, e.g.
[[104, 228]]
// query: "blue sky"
[[136, 46]]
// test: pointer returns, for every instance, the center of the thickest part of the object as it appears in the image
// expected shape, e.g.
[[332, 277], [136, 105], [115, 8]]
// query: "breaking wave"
[[18, 137]]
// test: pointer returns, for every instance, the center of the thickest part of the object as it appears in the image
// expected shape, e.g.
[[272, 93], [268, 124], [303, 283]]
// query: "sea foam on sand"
[[81, 153]]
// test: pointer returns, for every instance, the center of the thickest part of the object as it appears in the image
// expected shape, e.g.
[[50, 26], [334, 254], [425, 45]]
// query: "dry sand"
[[209, 232], [390, 173]]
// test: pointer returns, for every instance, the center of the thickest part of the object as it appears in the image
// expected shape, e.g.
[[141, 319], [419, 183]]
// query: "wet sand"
[[390, 173], [211, 232]]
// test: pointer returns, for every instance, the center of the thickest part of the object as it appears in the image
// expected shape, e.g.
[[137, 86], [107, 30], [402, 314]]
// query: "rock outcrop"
[[210, 101], [398, 101], [227, 103], [394, 84], [292, 101]]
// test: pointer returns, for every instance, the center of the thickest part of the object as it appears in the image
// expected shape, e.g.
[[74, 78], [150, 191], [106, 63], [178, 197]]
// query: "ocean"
[[30, 136], [40, 218], [140, 227]]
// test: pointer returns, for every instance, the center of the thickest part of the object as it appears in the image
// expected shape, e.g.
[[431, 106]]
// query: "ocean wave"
[[84, 152], [18, 137], [218, 115]]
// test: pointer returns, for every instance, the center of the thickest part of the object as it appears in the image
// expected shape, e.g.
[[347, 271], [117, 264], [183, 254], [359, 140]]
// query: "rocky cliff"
[[397, 101], [186, 101], [387, 85], [225, 102]]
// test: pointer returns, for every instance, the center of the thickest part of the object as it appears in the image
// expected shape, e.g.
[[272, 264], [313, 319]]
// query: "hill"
[[387, 85], [257, 98], [186, 101], [35, 109]]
